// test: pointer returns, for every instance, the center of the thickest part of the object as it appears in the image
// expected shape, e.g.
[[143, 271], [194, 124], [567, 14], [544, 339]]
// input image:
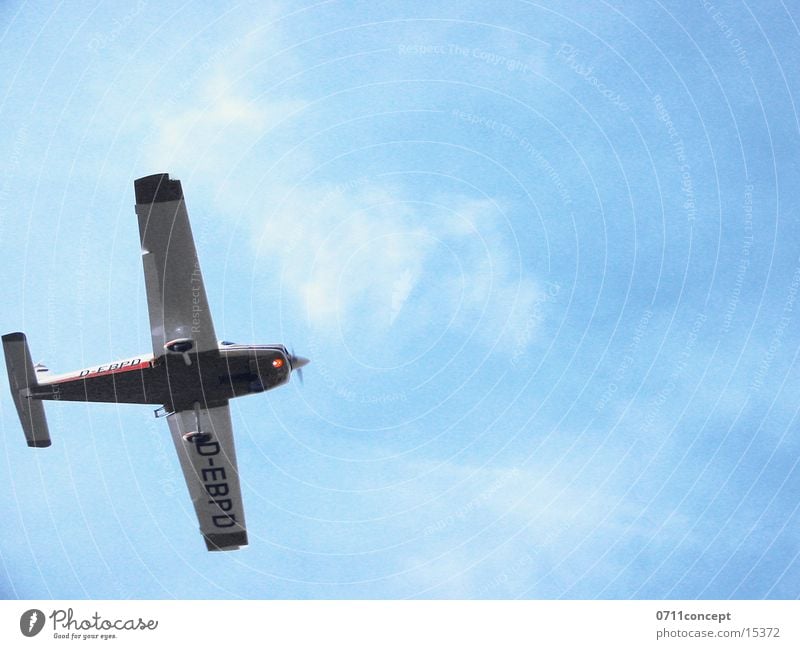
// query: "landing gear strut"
[[196, 436]]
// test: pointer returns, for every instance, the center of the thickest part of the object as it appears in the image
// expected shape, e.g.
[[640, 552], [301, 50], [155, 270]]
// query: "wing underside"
[[176, 295], [203, 438], [180, 321]]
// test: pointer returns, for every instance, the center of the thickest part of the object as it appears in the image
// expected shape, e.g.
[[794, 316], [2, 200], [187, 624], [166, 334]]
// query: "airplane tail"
[[22, 377]]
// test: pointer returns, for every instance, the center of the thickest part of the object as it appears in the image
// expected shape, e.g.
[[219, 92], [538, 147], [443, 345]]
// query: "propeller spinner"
[[298, 363]]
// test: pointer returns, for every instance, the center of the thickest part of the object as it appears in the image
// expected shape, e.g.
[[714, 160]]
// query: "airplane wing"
[[208, 460], [176, 296]]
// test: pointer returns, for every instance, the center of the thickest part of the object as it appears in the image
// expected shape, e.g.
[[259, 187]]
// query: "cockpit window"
[[226, 342]]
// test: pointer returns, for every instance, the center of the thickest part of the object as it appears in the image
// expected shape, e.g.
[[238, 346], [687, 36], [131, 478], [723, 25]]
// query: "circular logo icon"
[[31, 622]]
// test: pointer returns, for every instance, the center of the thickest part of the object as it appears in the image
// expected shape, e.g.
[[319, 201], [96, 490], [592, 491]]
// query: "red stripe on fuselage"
[[143, 365]]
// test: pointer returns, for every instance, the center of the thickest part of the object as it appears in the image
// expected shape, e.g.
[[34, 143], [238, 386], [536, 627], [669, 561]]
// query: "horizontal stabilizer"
[[22, 377]]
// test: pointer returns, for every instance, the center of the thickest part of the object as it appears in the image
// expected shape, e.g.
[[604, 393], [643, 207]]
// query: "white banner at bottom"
[[389, 624]]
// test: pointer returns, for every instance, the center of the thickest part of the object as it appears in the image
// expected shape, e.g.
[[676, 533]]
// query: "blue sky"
[[544, 260]]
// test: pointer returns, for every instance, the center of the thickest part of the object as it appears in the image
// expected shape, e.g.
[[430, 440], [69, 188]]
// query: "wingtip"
[[157, 188], [226, 541]]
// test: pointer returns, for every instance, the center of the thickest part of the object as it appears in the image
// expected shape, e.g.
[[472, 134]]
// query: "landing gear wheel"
[[196, 437]]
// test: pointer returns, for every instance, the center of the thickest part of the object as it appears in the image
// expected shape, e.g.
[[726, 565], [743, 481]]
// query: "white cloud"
[[213, 136], [214, 115], [367, 260], [535, 531], [401, 288]]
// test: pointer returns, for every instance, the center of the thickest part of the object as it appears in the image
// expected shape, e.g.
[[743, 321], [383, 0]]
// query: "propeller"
[[298, 363]]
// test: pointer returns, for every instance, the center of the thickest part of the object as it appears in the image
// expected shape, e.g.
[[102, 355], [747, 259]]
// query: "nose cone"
[[297, 362]]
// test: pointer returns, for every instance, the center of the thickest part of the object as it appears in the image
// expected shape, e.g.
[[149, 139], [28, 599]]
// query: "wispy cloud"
[[365, 257], [368, 257], [214, 115], [538, 531]]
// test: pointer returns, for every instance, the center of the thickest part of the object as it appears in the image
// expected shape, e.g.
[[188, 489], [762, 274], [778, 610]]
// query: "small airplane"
[[190, 375]]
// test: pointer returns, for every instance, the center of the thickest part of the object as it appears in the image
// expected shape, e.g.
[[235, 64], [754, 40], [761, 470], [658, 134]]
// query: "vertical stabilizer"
[[22, 377]]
